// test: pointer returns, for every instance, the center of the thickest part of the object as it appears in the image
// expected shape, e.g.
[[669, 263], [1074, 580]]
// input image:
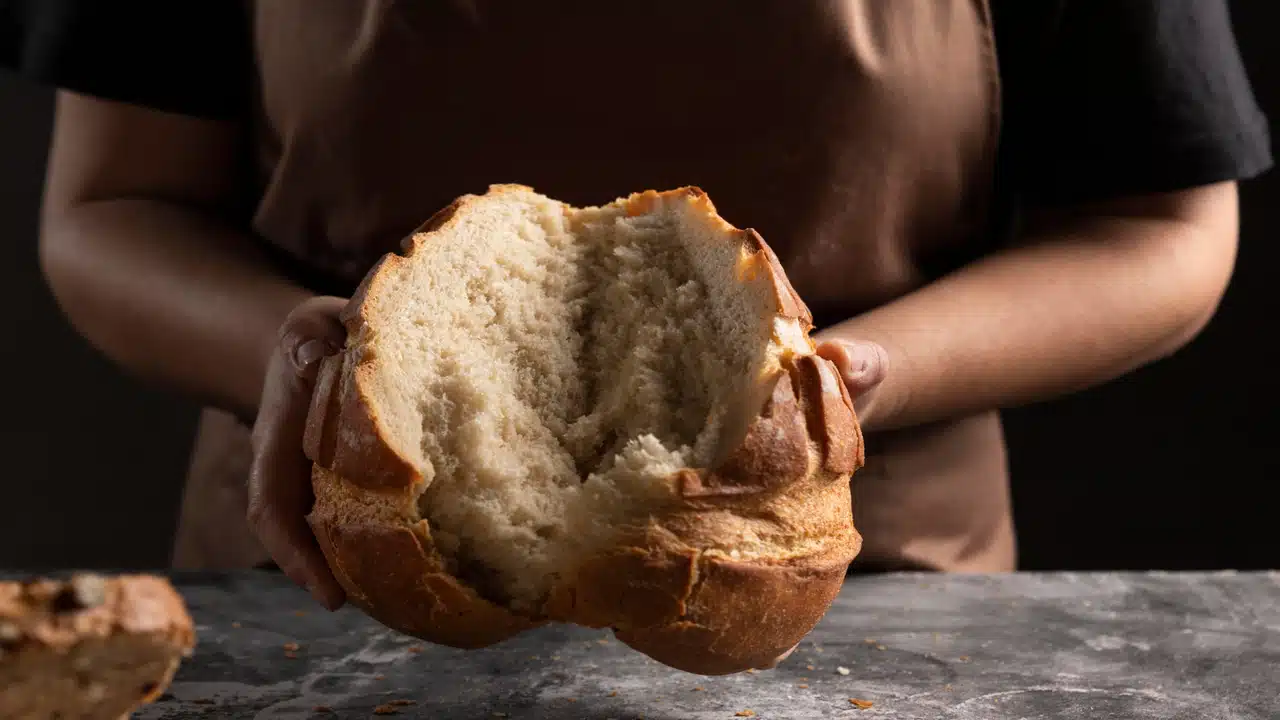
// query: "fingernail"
[[859, 358], [312, 351]]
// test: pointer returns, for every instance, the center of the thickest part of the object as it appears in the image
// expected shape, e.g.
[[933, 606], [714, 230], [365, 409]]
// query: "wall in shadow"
[[93, 462], [1168, 467]]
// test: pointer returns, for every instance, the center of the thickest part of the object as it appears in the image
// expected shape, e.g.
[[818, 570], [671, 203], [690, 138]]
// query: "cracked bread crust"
[[391, 569], [90, 646], [679, 586], [676, 590]]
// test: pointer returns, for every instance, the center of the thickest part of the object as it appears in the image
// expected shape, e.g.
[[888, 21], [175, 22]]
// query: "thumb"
[[862, 364], [312, 331]]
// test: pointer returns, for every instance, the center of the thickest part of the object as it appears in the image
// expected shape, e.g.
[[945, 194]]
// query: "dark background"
[[1165, 469]]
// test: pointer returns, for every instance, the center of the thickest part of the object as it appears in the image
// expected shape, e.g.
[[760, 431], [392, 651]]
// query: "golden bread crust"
[[742, 615], [392, 571], [672, 589]]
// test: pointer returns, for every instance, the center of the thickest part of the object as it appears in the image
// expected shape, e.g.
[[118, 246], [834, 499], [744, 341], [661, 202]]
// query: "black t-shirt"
[[1101, 98], [1104, 98]]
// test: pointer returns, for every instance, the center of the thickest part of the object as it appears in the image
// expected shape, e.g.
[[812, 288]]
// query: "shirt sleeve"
[[190, 57], [1105, 98]]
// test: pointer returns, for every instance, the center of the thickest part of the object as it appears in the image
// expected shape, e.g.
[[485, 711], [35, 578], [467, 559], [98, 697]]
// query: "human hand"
[[862, 365], [280, 493]]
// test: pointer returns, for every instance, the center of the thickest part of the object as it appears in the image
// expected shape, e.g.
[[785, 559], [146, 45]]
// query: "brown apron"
[[858, 136]]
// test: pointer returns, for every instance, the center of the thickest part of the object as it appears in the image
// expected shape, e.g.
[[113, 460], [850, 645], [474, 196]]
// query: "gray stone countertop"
[[1088, 646]]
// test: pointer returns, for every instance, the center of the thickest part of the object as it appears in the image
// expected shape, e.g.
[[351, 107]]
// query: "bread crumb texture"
[[568, 362]]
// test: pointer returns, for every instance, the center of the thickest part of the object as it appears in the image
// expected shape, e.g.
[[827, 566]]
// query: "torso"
[[858, 137]]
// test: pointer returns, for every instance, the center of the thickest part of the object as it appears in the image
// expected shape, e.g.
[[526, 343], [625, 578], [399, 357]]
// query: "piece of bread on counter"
[[607, 416], [88, 647]]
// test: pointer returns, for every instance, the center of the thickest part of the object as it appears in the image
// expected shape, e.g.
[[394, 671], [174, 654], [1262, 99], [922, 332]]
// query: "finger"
[[311, 332], [862, 364], [280, 477], [280, 484]]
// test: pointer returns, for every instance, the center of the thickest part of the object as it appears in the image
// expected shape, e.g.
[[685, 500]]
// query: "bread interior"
[[99, 677], [562, 363]]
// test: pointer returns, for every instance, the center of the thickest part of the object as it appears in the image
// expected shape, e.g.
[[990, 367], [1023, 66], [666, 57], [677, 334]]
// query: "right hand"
[[280, 494]]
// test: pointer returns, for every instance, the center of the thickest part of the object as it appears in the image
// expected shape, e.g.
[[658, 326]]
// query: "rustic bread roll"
[[90, 647], [608, 416]]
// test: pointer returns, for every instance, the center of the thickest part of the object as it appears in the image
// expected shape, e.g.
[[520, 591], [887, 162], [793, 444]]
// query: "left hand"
[[862, 364], [280, 477]]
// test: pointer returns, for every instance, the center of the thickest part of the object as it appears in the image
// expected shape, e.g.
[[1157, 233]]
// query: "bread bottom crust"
[[697, 611]]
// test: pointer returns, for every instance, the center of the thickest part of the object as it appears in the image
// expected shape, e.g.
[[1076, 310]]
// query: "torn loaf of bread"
[[89, 647], [610, 416]]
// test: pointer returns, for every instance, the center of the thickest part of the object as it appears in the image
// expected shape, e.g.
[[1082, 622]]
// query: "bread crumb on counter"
[[860, 704], [842, 670], [745, 713], [89, 645]]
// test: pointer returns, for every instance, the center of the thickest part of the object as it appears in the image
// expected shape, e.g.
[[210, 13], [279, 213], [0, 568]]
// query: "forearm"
[[170, 293], [1074, 306]]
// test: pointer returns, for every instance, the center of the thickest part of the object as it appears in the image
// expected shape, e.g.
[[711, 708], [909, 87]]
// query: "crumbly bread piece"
[[89, 647], [609, 416]]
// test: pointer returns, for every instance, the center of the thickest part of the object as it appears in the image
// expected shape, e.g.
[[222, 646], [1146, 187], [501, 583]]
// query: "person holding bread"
[[983, 203]]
